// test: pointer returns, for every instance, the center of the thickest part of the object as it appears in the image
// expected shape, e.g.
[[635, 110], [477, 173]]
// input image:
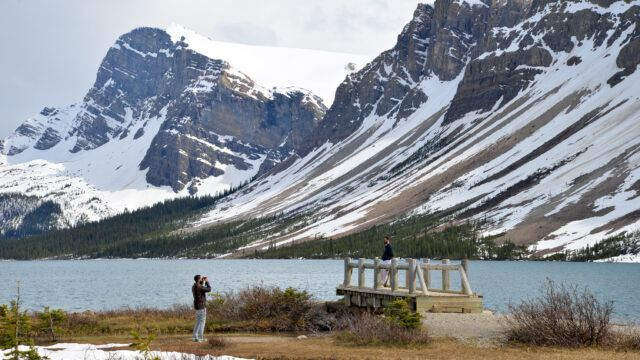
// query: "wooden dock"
[[418, 291]]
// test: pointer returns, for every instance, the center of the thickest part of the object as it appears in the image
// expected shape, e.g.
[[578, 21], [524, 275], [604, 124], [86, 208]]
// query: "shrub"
[[143, 345], [50, 321], [562, 315], [263, 308], [217, 341], [399, 314], [369, 329]]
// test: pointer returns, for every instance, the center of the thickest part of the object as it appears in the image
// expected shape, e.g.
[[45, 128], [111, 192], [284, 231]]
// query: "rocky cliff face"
[[439, 41], [214, 117], [522, 112], [497, 46], [160, 116], [228, 124]]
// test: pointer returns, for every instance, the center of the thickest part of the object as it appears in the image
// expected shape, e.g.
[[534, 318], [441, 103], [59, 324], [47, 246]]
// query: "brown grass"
[[323, 347], [177, 320], [628, 340]]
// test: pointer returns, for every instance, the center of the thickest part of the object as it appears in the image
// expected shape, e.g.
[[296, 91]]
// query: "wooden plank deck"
[[434, 302], [419, 298]]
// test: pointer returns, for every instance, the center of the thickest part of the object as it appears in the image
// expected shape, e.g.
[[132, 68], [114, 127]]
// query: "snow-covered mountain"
[[525, 113], [169, 115]]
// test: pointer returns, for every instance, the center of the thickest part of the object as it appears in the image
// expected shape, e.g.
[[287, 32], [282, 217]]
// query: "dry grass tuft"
[[625, 340], [176, 320], [217, 342], [369, 329]]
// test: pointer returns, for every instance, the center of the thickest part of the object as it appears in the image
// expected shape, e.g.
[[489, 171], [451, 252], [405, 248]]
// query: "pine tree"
[[15, 326]]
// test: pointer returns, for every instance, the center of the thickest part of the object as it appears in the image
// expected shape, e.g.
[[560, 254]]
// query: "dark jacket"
[[388, 252], [200, 295]]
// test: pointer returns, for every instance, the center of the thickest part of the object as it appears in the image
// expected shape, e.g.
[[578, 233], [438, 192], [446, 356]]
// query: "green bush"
[[399, 314], [50, 321]]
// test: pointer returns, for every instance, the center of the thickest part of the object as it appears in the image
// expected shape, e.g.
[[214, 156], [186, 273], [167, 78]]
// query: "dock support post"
[[411, 276], [376, 273], [423, 285], [361, 272], [347, 272], [394, 274], [465, 266], [406, 275], [446, 284], [427, 273]]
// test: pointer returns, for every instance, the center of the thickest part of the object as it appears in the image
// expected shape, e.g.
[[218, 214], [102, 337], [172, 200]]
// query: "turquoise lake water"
[[78, 285]]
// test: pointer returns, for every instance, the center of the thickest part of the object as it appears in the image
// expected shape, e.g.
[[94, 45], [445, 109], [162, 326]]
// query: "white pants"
[[198, 330], [384, 273]]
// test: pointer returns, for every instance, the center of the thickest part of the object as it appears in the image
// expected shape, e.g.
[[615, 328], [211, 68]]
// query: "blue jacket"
[[388, 252]]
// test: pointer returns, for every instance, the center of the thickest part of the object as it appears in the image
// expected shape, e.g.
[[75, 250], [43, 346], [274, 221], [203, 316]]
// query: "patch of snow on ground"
[[72, 351]]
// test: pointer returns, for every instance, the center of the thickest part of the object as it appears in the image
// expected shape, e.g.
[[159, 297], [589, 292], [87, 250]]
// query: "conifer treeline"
[[622, 244], [413, 237], [122, 231], [23, 215], [155, 232]]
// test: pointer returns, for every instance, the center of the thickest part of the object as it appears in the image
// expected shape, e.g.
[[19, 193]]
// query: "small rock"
[[301, 337]]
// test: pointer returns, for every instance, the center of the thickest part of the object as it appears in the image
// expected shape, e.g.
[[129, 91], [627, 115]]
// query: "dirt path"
[[485, 327], [484, 330]]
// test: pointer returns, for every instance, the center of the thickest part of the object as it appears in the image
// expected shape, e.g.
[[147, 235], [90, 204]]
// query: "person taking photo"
[[200, 289]]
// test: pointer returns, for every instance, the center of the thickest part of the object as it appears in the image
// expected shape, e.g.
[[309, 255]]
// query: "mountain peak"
[[161, 120]]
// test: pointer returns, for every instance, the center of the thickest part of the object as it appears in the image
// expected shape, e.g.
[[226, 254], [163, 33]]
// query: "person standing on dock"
[[387, 255], [199, 291]]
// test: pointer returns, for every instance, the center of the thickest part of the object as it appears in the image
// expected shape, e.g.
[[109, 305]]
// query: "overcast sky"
[[51, 49]]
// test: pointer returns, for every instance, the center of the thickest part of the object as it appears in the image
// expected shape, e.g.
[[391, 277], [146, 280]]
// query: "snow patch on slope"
[[628, 258]]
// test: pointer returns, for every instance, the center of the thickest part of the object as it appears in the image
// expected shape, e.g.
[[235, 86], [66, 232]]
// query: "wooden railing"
[[418, 275]]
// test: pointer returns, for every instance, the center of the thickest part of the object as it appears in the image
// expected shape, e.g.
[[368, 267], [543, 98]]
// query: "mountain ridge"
[[123, 146], [483, 111], [504, 113]]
